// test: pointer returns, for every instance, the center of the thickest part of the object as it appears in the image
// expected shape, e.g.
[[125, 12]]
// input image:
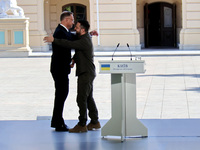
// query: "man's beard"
[[78, 33]]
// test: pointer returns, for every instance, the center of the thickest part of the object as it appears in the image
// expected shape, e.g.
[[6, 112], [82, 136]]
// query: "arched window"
[[78, 10]]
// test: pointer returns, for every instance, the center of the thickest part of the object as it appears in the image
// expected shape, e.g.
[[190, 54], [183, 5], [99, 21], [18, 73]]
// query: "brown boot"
[[78, 129], [92, 126]]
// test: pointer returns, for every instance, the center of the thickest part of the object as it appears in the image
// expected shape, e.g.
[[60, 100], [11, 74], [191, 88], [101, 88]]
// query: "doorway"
[[160, 25]]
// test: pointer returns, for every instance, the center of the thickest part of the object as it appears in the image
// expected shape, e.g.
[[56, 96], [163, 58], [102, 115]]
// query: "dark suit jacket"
[[61, 56], [84, 53]]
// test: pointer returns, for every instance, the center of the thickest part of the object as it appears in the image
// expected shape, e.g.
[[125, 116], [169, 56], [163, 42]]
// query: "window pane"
[[18, 37], [80, 9], [69, 8], [2, 37], [167, 17], [80, 17]]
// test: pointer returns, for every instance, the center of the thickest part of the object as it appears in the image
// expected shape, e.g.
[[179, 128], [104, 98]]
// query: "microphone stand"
[[129, 50], [115, 50]]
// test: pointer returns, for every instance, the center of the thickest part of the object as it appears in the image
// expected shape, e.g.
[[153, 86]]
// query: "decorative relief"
[[6, 5]]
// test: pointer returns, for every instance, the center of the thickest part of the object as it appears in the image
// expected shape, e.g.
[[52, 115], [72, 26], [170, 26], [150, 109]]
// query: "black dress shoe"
[[63, 128]]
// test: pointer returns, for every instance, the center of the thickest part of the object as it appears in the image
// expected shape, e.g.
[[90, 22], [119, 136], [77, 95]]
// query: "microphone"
[[115, 50], [129, 50]]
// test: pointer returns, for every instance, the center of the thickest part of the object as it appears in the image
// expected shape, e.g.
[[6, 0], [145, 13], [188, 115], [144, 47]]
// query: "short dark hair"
[[84, 25], [65, 14]]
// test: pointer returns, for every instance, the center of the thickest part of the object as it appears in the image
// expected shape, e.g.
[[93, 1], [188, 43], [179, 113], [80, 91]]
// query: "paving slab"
[[171, 83]]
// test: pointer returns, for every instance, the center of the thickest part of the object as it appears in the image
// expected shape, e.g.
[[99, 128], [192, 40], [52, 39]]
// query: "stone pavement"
[[170, 88]]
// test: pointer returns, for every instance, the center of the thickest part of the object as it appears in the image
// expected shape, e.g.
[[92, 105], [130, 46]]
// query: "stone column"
[[190, 33], [36, 36], [47, 16], [136, 42]]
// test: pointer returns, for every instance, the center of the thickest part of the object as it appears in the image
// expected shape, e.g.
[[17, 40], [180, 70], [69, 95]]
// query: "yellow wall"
[[117, 23]]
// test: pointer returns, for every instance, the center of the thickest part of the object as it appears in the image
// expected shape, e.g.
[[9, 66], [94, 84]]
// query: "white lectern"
[[123, 122]]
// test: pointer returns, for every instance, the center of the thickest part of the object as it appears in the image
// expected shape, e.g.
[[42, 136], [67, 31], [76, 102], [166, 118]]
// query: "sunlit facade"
[[140, 23]]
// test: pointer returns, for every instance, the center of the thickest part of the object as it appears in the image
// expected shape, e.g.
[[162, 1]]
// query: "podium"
[[123, 122]]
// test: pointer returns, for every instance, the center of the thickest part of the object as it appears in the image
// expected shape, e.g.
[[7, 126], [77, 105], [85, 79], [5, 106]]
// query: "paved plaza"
[[170, 88]]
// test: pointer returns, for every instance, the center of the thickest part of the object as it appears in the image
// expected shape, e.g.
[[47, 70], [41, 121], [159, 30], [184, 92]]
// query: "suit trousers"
[[61, 82], [85, 99]]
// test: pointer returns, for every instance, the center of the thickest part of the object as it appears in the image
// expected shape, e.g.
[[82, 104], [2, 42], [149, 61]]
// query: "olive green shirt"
[[84, 53]]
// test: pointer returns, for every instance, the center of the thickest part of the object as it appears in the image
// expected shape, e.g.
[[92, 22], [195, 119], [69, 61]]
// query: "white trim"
[[97, 3]]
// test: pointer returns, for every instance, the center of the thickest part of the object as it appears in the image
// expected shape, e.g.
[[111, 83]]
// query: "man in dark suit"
[[60, 69], [85, 70]]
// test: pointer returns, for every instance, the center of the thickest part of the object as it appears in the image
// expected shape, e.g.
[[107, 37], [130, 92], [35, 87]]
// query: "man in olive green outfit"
[[85, 70]]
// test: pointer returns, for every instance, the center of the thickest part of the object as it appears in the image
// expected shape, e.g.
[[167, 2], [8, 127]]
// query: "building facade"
[[140, 23]]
